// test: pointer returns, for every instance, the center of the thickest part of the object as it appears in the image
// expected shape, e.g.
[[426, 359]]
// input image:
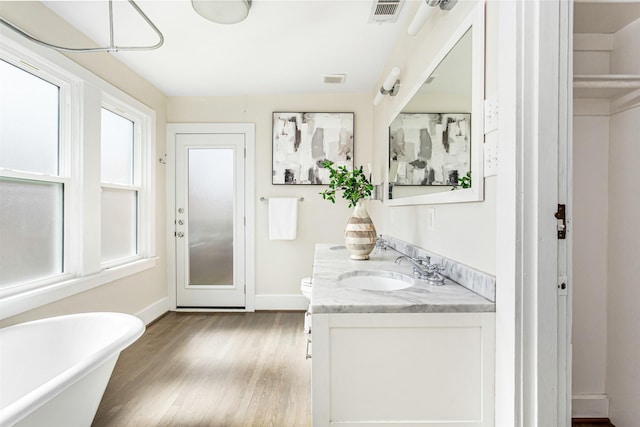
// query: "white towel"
[[283, 218]]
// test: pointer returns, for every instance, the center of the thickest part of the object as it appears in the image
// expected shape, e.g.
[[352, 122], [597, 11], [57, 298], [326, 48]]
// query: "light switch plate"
[[491, 154], [431, 219], [490, 114]]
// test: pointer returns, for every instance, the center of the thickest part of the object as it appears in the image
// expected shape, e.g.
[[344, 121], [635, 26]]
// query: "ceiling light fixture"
[[111, 48], [390, 86], [222, 11], [425, 11]]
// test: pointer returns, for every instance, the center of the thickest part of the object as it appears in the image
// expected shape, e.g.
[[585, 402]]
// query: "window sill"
[[28, 300]]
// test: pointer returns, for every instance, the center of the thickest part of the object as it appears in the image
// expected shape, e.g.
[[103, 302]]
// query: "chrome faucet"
[[420, 265], [423, 268], [381, 244]]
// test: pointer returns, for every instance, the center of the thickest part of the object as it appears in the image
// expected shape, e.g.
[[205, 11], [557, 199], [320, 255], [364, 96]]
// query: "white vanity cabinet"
[[403, 369]]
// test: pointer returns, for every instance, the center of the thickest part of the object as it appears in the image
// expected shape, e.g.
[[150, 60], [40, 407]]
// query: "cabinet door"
[[418, 368]]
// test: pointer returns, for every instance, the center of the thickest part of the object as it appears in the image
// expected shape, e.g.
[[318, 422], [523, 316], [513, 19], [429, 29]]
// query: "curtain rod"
[[111, 48]]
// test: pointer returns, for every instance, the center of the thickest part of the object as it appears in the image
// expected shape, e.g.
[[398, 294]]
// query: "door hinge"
[[561, 216]]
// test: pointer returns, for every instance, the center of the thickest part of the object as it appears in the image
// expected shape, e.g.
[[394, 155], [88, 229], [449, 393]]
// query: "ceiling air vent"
[[335, 78], [385, 10]]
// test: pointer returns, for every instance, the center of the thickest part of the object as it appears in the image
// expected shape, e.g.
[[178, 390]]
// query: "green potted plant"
[[360, 233], [463, 182]]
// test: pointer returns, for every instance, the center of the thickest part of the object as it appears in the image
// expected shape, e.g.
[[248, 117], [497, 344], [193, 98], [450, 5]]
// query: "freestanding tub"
[[53, 372]]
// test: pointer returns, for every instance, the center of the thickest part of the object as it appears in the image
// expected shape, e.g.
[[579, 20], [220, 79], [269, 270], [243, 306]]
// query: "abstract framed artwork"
[[303, 141], [429, 149]]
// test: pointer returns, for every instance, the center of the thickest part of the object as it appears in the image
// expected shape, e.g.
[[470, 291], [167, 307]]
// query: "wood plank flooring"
[[214, 369], [591, 423]]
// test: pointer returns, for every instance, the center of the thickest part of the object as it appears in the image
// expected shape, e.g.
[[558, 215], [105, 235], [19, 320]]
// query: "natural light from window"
[[31, 202], [77, 189], [119, 195]]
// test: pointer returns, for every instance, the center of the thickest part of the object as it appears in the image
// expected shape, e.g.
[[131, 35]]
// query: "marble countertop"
[[328, 296]]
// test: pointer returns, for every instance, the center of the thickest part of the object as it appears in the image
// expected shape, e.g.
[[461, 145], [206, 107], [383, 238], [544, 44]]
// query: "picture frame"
[[302, 141], [429, 149]]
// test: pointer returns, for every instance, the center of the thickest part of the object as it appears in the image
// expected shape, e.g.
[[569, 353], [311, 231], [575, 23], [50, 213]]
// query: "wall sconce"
[[377, 193], [425, 11], [390, 86]]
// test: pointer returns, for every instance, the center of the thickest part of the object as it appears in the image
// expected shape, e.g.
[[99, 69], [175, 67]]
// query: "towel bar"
[[264, 199]]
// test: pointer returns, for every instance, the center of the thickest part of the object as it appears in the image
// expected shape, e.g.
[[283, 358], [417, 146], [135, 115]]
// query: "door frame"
[[565, 247], [531, 381], [248, 130]]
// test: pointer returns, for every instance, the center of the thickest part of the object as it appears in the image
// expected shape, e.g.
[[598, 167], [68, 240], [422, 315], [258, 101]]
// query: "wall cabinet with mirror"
[[436, 136]]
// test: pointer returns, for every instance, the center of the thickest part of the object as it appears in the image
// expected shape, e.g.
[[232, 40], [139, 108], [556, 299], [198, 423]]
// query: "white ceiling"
[[284, 46]]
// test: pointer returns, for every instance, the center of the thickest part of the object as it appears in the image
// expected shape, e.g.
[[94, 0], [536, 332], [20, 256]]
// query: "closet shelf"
[[608, 86]]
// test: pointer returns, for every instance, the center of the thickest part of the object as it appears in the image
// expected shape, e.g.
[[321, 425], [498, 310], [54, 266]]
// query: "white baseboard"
[[155, 310], [281, 302], [590, 406]]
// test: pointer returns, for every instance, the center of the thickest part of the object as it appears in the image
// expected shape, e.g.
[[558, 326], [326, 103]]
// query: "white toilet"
[[305, 287]]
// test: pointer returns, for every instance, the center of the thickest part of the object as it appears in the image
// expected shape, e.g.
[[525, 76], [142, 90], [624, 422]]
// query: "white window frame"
[[65, 84], [140, 179], [82, 95]]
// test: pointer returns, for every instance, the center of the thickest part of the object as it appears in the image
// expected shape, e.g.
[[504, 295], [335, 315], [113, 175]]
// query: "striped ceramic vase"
[[360, 234]]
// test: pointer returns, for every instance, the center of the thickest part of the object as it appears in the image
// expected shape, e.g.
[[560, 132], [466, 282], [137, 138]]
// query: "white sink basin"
[[374, 281]]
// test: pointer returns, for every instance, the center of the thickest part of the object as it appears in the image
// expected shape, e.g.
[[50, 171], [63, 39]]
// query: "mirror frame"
[[475, 22]]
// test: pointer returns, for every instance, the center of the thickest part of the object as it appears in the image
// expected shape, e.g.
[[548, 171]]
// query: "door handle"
[[180, 234]]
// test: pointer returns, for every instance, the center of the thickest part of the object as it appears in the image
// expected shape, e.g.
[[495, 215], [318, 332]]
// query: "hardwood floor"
[[591, 423], [214, 369]]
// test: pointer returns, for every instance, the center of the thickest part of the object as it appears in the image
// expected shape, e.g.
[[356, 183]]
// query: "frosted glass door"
[[210, 216], [210, 220]]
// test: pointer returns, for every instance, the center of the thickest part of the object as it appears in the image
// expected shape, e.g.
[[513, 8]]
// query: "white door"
[[209, 218]]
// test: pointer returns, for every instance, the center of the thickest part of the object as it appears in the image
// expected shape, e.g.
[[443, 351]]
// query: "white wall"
[[625, 58], [623, 349], [590, 195], [590, 231], [136, 293], [465, 232], [606, 347], [280, 265], [623, 367]]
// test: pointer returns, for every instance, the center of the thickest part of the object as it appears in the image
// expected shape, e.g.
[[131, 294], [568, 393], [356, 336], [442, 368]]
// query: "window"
[[77, 199], [119, 192], [28, 100], [31, 188]]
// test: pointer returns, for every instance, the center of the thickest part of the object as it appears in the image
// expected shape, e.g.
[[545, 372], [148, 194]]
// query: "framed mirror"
[[436, 137]]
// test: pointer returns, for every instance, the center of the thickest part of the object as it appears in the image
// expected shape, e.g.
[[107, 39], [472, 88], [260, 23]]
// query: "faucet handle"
[[435, 268], [435, 274], [424, 260], [381, 243]]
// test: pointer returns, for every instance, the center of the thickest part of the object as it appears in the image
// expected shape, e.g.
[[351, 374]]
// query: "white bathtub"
[[53, 372]]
